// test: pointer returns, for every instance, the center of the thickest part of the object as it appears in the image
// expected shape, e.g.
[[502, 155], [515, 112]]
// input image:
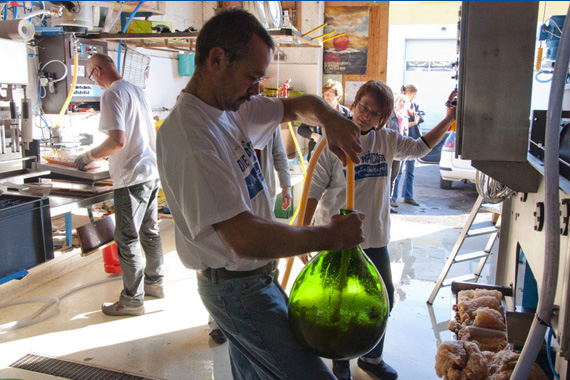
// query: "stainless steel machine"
[[505, 139], [56, 58]]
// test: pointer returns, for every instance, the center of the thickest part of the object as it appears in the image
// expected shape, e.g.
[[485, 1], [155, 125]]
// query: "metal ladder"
[[455, 258]]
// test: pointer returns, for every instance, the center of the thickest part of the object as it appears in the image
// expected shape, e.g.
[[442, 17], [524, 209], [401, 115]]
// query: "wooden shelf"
[[156, 7], [185, 41]]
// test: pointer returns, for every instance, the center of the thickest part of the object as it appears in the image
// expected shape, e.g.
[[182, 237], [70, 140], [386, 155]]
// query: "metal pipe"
[[543, 315]]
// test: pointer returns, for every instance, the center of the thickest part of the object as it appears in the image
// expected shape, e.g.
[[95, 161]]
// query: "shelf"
[[185, 41], [156, 7]]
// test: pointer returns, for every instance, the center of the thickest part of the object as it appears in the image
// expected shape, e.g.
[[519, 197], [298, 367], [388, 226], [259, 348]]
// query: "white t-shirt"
[[125, 107], [210, 173], [371, 185]]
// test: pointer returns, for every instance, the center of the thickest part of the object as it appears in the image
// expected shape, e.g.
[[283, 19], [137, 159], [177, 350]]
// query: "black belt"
[[228, 274]]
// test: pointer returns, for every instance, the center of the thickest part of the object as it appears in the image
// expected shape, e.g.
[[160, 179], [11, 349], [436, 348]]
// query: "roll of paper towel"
[[20, 30]]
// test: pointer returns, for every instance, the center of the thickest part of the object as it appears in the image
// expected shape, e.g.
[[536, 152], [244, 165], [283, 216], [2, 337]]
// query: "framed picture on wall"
[[347, 54]]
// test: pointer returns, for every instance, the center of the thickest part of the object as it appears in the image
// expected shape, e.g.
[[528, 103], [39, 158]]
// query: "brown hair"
[[382, 93], [334, 85], [409, 88], [232, 29]]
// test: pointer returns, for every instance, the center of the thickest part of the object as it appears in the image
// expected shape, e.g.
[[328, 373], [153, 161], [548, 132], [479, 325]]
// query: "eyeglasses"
[[364, 108], [256, 80], [91, 73]]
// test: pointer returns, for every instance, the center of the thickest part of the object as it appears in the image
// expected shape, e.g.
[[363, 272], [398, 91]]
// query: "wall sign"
[[347, 54]]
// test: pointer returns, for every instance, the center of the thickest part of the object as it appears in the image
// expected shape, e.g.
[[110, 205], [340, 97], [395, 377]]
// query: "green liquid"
[[338, 305]]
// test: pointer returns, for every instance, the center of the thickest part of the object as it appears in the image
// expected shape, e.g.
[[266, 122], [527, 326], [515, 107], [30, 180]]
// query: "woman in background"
[[399, 122], [332, 94], [414, 120]]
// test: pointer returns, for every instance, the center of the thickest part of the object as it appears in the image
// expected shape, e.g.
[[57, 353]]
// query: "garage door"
[[428, 65]]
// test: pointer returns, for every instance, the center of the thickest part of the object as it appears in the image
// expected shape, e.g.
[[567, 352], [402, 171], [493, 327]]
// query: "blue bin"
[[185, 65]]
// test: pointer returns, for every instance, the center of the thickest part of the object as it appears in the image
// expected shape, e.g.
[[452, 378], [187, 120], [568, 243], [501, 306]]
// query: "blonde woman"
[[332, 94]]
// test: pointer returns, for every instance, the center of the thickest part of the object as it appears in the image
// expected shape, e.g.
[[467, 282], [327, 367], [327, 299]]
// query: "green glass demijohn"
[[338, 305]]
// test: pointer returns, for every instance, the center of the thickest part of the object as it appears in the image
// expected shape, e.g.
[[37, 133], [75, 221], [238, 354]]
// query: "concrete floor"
[[171, 340]]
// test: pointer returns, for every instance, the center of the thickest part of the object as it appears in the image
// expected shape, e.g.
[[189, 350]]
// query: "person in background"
[[126, 119], [415, 117], [218, 197], [327, 195], [398, 121], [332, 94], [272, 157]]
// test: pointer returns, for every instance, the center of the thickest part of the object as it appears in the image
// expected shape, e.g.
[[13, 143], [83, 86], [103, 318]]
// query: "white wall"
[[302, 65]]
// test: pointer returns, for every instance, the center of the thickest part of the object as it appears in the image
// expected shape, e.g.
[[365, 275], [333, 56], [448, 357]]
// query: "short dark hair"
[[382, 93], [232, 30]]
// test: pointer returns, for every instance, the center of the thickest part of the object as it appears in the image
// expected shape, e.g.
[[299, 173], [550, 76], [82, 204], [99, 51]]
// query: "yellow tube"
[[303, 203], [317, 28], [538, 58], [66, 103], [333, 37], [323, 35], [349, 184], [302, 166]]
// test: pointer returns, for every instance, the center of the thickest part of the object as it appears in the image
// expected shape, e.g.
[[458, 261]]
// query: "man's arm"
[[281, 164], [437, 132], [115, 141], [310, 211], [343, 135], [250, 236]]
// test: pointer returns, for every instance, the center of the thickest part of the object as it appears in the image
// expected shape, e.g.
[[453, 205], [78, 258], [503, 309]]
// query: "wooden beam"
[[349, 3]]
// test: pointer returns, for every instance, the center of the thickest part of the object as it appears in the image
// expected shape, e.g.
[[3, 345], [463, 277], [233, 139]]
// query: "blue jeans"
[[136, 219], [252, 313], [408, 186]]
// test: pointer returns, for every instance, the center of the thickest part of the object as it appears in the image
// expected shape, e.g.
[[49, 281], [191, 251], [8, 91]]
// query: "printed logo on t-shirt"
[[371, 165], [247, 162]]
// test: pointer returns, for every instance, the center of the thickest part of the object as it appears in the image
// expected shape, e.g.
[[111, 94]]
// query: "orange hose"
[[349, 184], [303, 203]]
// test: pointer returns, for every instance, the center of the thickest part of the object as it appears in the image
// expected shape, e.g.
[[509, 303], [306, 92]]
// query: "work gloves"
[[83, 160]]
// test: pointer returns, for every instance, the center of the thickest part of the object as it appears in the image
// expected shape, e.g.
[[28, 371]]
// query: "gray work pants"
[[136, 218]]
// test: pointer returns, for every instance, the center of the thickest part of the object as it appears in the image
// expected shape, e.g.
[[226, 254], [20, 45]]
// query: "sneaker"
[[393, 211], [341, 369], [154, 290], [382, 370], [411, 201], [393, 203], [218, 336], [116, 309]]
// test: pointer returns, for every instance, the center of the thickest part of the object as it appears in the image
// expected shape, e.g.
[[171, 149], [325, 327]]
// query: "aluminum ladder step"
[[470, 256], [481, 231], [464, 278], [454, 257]]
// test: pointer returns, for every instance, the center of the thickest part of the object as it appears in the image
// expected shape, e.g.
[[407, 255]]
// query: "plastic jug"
[[111, 259]]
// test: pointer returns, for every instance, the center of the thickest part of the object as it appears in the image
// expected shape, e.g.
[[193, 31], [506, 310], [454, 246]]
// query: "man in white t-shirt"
[[126, 118], [219, 200]]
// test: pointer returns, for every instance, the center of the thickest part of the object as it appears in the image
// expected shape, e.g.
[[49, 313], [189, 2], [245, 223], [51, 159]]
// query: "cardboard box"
[[140, 26]]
